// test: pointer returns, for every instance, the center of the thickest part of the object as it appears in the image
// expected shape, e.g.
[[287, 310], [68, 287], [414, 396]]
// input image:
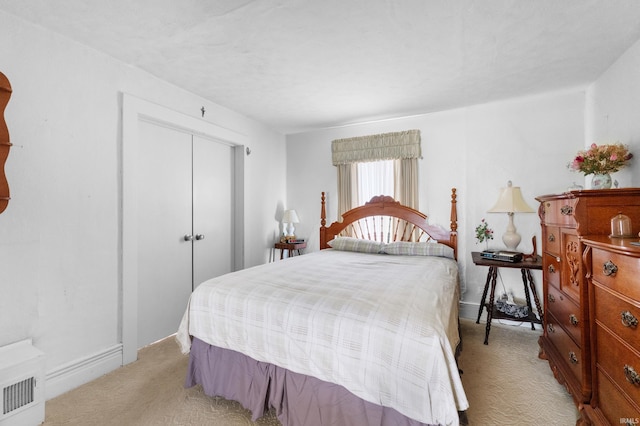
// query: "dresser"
[[612, 269], [566, 338]]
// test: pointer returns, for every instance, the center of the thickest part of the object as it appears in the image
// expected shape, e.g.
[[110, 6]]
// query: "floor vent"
[[22, 384]]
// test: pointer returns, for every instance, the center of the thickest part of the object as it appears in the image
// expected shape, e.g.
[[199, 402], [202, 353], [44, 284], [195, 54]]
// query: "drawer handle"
[[551, 269], [631, 375], [609, 268], [573, 358], [551, 238], [573, 319], [566, 210], [628, 320], [550, 328], [551, 298]]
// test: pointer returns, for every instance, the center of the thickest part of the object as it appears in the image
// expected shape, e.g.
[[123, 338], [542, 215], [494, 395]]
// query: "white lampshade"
[[511, 201], [290, 217]]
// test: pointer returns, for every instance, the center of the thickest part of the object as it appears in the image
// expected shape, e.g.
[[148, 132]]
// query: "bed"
[[363, 332]]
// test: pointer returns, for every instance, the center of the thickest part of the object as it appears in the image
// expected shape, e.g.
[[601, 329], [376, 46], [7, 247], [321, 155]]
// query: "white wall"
[[60, 243], [477, 150], [613, 102]]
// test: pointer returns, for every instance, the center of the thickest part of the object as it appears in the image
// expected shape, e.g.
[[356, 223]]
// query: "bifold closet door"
[[213, 245], [164, 219]]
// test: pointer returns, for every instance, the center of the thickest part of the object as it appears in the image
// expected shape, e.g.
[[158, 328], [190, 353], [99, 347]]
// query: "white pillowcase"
[[408, 248], [355, 244]]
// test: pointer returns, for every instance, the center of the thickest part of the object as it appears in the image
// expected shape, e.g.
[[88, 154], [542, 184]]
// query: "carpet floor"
[[506, 384]]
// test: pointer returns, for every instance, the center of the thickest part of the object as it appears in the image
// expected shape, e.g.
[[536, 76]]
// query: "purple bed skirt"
[[297, 399]]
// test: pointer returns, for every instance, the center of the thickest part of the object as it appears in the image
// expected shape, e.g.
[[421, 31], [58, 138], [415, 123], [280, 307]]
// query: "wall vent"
[[18, 395], [22, 384]]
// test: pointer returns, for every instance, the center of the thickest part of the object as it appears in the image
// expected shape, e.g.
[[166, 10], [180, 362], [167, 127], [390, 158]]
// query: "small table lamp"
[[290, 217], [510, 202]]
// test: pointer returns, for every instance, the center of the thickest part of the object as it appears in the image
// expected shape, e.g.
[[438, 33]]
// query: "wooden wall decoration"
[[5, 94]]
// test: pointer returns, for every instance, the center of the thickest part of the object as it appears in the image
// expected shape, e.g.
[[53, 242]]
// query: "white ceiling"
[[298, 65]]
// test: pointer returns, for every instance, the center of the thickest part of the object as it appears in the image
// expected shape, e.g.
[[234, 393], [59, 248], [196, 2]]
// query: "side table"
[[290, 247], [525, 269]]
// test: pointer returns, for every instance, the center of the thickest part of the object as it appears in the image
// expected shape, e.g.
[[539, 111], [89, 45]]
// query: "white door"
[[164, 218], [213, 219], [185, 223]]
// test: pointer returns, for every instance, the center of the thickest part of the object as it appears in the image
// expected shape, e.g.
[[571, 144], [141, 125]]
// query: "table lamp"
[[510, 201], [290, 217]]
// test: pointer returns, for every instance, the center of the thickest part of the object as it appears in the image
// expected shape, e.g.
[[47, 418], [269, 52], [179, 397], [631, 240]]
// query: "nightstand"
[[292, 248], [492, 312]]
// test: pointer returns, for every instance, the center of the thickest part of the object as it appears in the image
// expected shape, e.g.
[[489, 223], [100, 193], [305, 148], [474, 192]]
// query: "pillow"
[[408, 248], [355, 244]]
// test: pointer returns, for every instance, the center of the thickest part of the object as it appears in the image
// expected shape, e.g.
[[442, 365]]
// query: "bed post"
[[323, 222], [454, 222]]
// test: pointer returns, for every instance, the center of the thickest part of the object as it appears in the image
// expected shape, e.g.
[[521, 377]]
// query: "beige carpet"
[[506, 384]]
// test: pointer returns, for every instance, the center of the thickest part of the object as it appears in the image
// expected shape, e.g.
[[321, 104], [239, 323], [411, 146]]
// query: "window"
[[374, 178]]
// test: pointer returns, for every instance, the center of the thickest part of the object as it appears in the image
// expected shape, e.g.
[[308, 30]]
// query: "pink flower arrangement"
[[601, 159]]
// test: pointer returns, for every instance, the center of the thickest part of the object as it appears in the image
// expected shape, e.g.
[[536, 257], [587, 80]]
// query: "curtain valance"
[[385, 146]]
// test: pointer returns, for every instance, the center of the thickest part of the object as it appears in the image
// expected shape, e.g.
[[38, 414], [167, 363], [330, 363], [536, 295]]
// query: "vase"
[[601, 181]]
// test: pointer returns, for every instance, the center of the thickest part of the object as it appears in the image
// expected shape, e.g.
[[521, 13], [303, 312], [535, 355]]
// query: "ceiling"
[[299, 65]]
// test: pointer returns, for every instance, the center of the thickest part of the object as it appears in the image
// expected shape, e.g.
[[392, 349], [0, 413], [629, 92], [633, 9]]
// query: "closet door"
[[212, 209], [164, 218]]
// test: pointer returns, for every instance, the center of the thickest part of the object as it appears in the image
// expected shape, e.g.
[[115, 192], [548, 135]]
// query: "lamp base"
[[511, 238]]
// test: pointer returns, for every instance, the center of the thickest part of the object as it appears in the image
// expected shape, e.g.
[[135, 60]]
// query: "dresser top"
[[594, 193], [620, 245]]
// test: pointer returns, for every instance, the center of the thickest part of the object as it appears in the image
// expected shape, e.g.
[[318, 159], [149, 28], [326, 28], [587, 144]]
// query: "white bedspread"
[[385, 327]]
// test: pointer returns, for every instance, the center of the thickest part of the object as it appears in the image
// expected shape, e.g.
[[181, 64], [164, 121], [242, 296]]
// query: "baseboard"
[[469, 310], [76, 373]]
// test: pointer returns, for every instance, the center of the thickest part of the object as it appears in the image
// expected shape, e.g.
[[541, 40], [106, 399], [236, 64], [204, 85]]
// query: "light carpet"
[[506, 384]]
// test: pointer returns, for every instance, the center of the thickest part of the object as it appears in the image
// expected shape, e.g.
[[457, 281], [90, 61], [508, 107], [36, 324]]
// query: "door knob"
[[200, 237], [188, 237]]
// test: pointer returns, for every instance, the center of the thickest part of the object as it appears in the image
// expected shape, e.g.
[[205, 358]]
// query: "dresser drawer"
[[565, 311], [570, 352], [560, 212], [552, 266], [613, 358], [551, 236], [615, 407], [617, 315], [618, 272]]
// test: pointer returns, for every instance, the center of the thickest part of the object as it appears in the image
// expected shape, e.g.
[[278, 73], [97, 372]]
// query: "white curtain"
[[406, 181], [347, 187]]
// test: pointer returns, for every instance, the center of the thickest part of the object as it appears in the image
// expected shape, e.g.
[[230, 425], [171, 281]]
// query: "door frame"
[[134, 110]]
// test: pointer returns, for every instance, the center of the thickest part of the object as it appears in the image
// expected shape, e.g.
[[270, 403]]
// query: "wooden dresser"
[[612, 269], [566, 338]]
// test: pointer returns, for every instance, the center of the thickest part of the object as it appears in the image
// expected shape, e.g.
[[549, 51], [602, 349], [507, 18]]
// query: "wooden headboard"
[[388, 221]]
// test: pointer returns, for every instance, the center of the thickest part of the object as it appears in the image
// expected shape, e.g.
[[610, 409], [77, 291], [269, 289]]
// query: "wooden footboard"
[[386, 220]]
